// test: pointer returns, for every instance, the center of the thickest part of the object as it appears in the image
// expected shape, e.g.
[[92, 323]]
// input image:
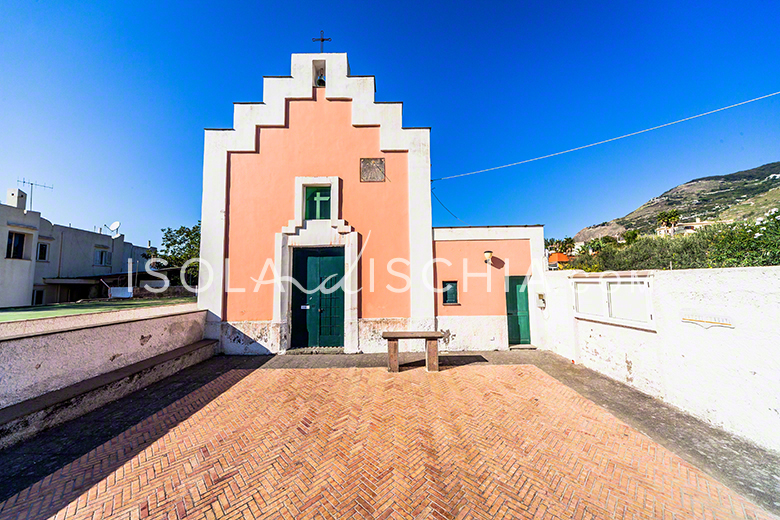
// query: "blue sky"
[[108, 101]]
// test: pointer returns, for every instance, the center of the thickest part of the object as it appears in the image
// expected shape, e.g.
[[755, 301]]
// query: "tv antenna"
[[32, 185]]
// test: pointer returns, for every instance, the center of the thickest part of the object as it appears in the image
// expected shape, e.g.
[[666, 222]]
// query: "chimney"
[[16, 198]]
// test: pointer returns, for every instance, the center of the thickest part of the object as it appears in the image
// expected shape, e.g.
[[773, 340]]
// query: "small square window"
[[102, 257], [450, 293], [15, 248], [317, 203], [43, 252]]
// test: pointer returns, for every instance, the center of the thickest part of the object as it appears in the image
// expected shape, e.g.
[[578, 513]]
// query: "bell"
[[320, 81]]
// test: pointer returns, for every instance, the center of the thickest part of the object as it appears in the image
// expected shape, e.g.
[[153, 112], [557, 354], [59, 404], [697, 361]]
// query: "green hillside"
[[742, 195]]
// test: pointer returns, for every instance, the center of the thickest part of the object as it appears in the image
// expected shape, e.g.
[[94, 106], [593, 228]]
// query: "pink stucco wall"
[[319, 140], [510, 258]]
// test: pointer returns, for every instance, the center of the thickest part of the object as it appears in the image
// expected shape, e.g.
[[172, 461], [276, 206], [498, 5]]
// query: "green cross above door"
[[317, 203]]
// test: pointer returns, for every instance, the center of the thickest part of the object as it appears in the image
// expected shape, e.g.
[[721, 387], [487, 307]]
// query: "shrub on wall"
[[733, 245]]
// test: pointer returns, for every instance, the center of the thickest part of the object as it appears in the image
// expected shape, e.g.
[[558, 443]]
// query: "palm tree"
[[663, 218], [567, 245], [668, 218], [673, 217]]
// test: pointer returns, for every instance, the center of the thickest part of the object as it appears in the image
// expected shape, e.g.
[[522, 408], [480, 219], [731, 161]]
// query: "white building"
[[48, 263], [686, 228]]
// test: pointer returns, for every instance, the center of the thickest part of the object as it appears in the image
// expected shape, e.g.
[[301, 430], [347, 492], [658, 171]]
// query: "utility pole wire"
[[445, 207], [605, 141]]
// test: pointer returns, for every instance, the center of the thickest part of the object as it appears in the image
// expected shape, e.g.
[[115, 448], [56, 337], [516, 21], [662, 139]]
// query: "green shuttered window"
[[450, 292]]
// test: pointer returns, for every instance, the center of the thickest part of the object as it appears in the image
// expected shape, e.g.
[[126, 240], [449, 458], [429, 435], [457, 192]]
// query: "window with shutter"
[[450, 293]]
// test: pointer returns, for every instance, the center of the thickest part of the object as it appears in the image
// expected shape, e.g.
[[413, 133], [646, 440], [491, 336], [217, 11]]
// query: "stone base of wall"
[[25, 419], [473, 333], [461, 333], [267, 337], [371, 329], [251, 338]]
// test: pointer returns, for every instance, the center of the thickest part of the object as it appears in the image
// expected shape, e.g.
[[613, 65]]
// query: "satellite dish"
[[115, 226]]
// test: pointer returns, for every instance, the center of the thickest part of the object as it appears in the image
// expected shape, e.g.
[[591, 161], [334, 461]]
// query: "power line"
[[605, 141], [445, 207]]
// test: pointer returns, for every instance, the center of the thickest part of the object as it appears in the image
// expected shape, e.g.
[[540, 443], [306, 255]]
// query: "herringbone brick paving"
[[469, 442]]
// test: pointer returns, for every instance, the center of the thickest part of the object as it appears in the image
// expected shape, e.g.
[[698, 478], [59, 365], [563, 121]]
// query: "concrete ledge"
[[38, 364], [40, 326], [25, 419]]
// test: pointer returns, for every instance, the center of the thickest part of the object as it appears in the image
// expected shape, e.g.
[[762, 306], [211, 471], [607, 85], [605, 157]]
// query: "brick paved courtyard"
[[469, 442]]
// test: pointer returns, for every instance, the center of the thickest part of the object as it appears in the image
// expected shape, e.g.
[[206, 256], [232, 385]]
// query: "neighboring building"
[[556, 260], [686, 228], [48, 263], [323, 185]]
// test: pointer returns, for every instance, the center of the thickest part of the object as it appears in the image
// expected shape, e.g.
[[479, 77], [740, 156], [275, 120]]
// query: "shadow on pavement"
[[447, 361], [184, 393]]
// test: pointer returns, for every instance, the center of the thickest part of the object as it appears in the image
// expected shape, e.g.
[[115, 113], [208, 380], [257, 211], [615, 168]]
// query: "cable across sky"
[[605, 141]]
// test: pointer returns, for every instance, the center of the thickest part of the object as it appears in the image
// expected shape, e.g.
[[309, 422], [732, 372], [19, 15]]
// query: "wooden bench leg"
[[432, 355], [392, 355]]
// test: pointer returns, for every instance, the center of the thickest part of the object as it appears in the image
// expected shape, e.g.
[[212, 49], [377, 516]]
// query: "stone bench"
[[431, 347]]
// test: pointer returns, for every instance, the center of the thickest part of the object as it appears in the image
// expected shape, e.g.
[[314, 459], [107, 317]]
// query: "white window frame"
[[301, 183], [38, 251], [604, 315]]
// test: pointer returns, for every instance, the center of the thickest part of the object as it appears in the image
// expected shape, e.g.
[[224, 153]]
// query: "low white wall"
[[40, 363], [729, 377]]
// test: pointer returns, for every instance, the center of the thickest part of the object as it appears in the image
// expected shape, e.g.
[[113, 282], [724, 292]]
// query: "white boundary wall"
[[47, 361], [728, 376]]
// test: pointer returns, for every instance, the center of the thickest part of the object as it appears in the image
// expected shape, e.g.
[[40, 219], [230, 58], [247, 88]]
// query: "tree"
[[565, 246], [630, 236], [663, 218], [595, 245], [673, 217], [734, 245], [668, 218], [179, 246]]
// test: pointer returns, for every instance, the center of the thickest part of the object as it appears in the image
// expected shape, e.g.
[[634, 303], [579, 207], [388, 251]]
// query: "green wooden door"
[[318, 317], [518, 319]]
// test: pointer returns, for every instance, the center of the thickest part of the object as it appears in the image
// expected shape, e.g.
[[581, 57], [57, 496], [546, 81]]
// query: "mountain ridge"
[[740, 195]]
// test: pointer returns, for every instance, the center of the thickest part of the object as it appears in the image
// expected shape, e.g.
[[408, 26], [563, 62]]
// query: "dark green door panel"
[[331, 304], [318, 318], [517, 314]]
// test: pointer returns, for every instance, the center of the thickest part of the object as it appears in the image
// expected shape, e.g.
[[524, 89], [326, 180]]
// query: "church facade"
[[317, 230]]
